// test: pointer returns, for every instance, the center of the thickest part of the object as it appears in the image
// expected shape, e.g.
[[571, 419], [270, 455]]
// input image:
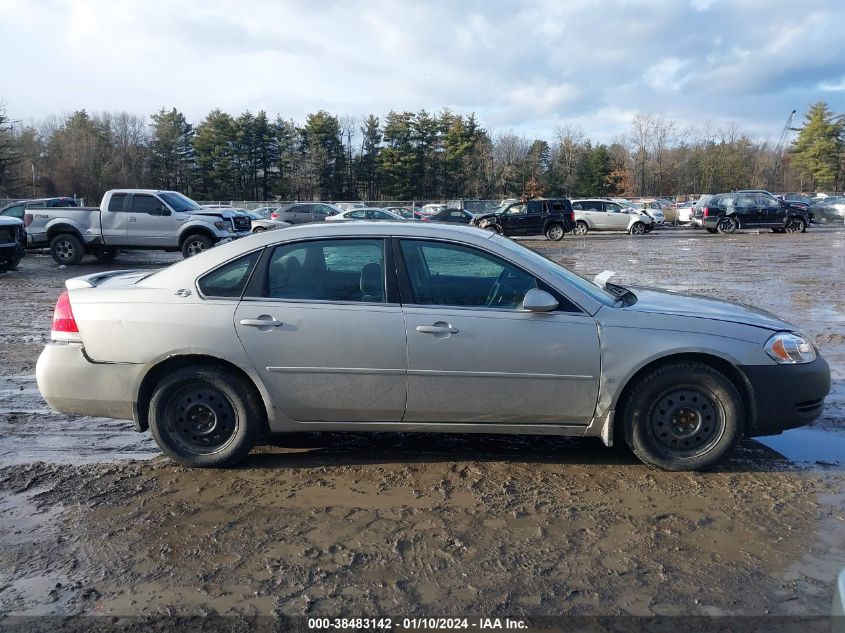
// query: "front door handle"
[[437, 328], [264, 321]]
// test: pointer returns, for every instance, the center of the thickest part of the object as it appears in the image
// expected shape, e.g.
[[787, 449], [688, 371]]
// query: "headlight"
[[787, 348]]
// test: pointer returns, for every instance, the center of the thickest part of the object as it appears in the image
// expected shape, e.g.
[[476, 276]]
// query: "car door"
[[319, 212], [615, 216], [514, 218], [326, 332], [771, 211], [151, 222], [115, 220], [746, 209], [536, 217], [473, 356]]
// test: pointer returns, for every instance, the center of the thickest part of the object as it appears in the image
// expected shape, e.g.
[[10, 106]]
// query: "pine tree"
[[818, 151]]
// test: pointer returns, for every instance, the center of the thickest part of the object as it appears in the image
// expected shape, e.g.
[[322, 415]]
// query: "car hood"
[[219, 213], [654, 301], [8, 221]]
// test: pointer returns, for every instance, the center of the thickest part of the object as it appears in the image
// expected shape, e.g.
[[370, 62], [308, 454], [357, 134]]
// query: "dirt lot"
[[93, 521]]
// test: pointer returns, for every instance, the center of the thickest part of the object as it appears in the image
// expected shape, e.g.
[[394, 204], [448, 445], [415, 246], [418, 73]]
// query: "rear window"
[[230, 279]]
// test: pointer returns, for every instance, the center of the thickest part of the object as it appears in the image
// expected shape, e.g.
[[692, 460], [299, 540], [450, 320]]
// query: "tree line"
[[401, 156]]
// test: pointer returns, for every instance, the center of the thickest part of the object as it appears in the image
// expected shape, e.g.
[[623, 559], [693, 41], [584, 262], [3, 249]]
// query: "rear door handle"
[[437, 329], [261, 322]]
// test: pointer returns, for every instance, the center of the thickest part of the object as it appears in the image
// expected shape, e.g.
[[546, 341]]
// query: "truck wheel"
[[195, 244], [9, 264], [555, 232], [205, 417], [67, 249], [106, 254], [683, 416], [637, 229], [581, 228]]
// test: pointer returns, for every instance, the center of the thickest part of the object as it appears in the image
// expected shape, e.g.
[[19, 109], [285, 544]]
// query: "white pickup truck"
[[132, 219]]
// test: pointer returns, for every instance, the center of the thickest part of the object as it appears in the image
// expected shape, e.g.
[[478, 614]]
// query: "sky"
[[528, 67]]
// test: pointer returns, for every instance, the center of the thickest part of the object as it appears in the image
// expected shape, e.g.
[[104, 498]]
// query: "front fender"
[[198, 226]]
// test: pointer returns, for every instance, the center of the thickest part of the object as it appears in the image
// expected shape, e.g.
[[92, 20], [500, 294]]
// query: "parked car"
[[12, 242], [800, 198], [829, 210], [684, 212], [476, 207], [305, 212], [604, 215], [365, 214], [802, 207], [455, 216], [652, 208], [431, 209], [409, 213], [553, 218], [18, 208], [729, 212], [132, 219], [346, 206], [264, 212], [411, 326], [259, 223], [698, 210]]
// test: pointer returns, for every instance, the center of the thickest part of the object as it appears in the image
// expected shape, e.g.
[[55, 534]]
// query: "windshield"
[[560, 272], [178, 202]]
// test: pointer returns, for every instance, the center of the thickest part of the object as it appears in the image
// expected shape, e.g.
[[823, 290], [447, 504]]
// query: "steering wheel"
[[494, 291]]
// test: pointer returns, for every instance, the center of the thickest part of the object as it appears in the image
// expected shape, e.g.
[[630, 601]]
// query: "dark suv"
[[728, 212], [12, 242], [551, 217]]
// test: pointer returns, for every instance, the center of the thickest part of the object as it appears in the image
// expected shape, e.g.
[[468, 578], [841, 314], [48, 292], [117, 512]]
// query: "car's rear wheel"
[[683, 416], [9, 264], [205, 417], [727, 226], [555, 232], [195, 244], [795, 225], [581, 228], [106, 254], [637, 229], [67, 249]]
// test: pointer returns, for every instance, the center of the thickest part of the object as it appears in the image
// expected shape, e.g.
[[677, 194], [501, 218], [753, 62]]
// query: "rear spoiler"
[[92, 281]]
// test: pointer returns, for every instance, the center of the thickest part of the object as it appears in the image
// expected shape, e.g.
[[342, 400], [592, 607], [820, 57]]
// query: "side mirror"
[[537, 300]]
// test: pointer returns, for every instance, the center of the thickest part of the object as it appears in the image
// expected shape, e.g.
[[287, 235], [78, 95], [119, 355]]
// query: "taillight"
[[274, 216], [27, 219], [705, 212], [64, 324]]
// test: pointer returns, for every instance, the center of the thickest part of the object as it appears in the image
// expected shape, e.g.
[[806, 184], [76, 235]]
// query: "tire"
[[195, 244], [183, 424], [695, 435], [9, 264], [555, 233], [709, 230], [258, 229], [106, 254], [581, 228], [727, 226], [491, 226], [795, 225], [638, 228], [67, 249]]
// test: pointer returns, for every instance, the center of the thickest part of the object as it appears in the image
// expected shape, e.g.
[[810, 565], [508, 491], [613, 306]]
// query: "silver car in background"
[[406, 326], [599, 214]]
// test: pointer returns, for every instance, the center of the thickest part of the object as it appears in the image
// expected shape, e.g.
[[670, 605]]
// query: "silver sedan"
[[405, 326]]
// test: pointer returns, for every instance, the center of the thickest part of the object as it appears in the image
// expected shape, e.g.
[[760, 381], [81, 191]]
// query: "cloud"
[[531, 65]]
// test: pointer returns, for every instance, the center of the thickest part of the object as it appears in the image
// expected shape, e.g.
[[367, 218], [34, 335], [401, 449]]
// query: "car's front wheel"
[[709, 230], [795, 225], [581, 228], [205, 417], [555, 232], [683, 416], [637, 229], [258, 229], [195, 244]]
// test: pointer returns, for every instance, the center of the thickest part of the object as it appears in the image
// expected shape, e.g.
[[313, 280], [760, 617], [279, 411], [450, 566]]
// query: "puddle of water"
[[808, 446]]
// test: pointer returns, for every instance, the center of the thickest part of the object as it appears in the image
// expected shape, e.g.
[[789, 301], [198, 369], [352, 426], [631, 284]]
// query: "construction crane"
[[774, 171]]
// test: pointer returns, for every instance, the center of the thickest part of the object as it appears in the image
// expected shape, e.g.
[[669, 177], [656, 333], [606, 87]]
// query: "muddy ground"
[[94, 521]]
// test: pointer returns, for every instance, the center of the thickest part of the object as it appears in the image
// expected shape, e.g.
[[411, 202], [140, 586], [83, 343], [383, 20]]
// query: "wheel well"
[[157, 372], [720, 364], [196, 231], [61, 229]]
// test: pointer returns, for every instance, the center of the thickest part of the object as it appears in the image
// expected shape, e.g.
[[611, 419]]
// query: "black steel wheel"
[[205, 417], [683, 416]]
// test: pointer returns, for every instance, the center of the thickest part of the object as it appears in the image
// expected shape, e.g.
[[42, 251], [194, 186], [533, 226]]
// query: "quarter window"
[[116, 202], [230, 279], [328, 270], [456, 275]]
